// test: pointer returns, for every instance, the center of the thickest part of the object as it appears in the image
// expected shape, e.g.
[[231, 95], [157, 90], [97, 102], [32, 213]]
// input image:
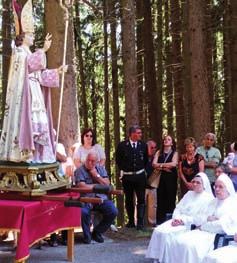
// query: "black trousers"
[[166, 196], [134, 184]]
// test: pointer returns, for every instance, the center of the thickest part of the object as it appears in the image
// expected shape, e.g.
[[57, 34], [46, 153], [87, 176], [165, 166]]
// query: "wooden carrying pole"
[[66, 18]]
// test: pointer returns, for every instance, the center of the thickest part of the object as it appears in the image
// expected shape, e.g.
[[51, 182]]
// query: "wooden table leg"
[[70, 245]]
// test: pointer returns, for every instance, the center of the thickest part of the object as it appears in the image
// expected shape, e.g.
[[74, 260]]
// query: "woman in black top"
[[190, 164], [166, 160]]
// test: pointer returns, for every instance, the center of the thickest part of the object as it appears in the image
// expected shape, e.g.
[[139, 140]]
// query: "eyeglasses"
[[89, 135]]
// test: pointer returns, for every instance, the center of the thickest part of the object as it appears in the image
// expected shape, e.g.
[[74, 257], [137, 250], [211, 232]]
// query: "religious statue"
[[27, 133]]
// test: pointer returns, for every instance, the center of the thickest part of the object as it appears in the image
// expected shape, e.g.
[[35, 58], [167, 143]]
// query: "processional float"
[[27, 181]]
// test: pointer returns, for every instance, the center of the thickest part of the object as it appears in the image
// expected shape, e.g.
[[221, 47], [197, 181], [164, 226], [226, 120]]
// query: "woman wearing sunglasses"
[[88, 143]]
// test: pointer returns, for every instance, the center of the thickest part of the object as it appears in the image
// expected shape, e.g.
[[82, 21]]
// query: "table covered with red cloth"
[[36, 219]]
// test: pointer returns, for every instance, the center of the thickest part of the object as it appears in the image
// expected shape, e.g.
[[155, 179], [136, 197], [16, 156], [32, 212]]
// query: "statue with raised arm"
[[27, 133]]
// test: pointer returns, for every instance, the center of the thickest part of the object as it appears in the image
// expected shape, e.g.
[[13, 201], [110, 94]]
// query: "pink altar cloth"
[[36, 219]]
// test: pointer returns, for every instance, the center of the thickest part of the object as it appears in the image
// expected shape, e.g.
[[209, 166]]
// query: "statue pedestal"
[[33, 179]]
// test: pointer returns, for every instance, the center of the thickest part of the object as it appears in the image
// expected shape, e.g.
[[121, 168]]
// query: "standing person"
[[231, 164], [166, 160], [131, 158], [151, 196], [86, 176], [27, 133], [88, 143], [190, 164], [211, 155]]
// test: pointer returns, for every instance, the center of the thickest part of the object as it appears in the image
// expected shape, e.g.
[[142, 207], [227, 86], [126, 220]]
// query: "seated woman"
[[187, 212], [221, 217], [223, 254]]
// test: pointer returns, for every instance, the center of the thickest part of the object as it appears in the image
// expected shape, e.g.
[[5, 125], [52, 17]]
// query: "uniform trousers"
[[134, 184]]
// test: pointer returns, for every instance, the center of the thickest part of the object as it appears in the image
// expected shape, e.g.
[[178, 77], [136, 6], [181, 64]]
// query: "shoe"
[[53, 243], [130, 225], [86, 240], [97, 237], [140, 227], [113, 228], [63, 242]]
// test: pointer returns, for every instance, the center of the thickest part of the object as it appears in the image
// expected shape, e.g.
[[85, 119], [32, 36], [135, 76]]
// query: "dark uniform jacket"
[[129, 159]]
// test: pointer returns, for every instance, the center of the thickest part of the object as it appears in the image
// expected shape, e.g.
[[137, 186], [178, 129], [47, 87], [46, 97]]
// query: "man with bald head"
[[87, 176]]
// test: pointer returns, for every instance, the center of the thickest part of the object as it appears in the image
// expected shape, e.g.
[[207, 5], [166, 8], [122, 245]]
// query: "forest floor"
[[126, 245]]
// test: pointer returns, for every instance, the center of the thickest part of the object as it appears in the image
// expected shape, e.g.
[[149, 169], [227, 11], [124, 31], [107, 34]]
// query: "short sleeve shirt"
[[82, 175], [210, 155], [81, 153]]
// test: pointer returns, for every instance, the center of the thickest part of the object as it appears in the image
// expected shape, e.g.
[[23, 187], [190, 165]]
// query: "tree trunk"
[[106, 89], [177, 72], [83, 104], [227, 73], [160, 67], [129, 62], [140, 67], [199, 75], [187, 68], [69, 127], [233, 56], [155, 104], [6, 51], [208, 30], [168, 68], [115, 86]]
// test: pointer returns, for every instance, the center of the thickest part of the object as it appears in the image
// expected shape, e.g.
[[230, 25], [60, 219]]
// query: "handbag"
[[154, 179]]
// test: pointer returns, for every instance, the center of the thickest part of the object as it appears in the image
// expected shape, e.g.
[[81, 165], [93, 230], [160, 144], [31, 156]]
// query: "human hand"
[[235, 237], [189, 185], [47, 42], [62, 69], [211, 218], [177, 222]]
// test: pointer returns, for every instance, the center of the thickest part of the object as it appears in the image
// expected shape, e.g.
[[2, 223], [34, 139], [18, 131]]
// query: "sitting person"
[[187, 212], [86, 176], [223, 254], [221, 217]]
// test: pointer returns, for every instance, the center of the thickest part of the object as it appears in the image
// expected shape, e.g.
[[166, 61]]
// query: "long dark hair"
[[19, 39], [173, 147], [85, 131]]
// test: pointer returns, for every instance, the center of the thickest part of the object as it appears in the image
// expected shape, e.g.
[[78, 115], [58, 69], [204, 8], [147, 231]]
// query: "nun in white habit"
[[193, 246], [188, 211], [223, 254]]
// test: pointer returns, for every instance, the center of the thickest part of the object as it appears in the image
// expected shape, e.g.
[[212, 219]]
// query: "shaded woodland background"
[[169, 65]]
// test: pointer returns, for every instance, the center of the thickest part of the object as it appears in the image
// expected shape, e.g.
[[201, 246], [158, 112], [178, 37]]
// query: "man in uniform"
[[131, 158]]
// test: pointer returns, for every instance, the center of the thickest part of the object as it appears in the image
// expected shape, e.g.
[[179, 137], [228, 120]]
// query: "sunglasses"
[[89, 135]]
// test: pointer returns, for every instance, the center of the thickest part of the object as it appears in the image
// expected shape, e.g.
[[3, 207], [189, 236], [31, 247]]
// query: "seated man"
[[86, 176]]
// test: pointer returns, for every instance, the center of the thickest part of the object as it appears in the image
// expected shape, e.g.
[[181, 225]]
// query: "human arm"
[[201, 166], [182, 177], [172, 164], [119, 154], [101, 154], [214, 160], [155, 163]]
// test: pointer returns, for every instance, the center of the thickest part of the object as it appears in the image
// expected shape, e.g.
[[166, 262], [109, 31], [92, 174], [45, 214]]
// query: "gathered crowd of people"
[[199, 178]]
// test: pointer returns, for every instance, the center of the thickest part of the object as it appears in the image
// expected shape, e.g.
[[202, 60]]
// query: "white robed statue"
[[27, 133]]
